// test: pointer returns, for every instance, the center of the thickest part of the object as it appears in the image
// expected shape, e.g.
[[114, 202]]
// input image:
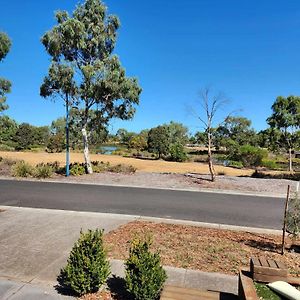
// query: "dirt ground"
[[141, 164], [194, 248]]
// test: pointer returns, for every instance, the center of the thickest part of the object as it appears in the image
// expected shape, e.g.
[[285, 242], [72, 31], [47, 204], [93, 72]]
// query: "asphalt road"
[[242, 210]]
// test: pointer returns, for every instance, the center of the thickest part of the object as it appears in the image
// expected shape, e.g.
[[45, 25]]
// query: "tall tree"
[[286, 118], [210, 105], [84, 72], [159, 140], [5, 85]]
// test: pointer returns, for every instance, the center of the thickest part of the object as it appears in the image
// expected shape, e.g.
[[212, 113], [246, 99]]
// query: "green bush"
[[43, 171], [234, 164], [144, 274], [22, 169], [249, 155], [121, 168], [270, 164], [87, 268], [177, 153], [77, 169]]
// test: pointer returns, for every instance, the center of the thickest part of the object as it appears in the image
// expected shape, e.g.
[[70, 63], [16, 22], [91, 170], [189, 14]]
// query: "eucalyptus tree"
[[84, 72], [286, 118], [5, 84]]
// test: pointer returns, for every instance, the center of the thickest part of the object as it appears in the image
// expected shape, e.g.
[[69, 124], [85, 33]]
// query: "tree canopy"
[[84, 71], [5, 85]]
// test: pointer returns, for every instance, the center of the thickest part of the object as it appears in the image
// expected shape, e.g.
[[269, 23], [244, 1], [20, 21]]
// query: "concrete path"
[[35, 244]]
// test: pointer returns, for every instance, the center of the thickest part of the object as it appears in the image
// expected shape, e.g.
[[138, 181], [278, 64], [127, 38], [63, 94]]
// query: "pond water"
[[107, 149]]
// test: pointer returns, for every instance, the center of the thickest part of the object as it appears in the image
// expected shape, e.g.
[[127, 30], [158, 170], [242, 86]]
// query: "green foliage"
[[22, 169], [264, 293], [77, 169], [24, 136], [100, 166], [249, 155], [84, 70], [159, 140], [87, 268], [8, 128], [138, 142], [270, 164], [177, 153], [144, 274], [235, 164], [5, 85], [293, 216], [43, 171], [56, 143]]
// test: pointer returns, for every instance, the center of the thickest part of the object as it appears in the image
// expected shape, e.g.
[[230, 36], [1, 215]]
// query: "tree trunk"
[[86, 154], [210, 163], [290, 161]]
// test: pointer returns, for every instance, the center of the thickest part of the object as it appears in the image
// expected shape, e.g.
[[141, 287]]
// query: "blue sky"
[[249, 50]]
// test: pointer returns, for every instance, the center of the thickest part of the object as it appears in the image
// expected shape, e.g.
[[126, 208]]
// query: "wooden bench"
[[268, 270]]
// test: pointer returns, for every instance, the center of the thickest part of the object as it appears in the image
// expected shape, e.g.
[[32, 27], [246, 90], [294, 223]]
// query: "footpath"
[[35, 245]]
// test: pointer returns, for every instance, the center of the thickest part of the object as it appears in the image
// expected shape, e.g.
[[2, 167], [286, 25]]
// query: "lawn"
[[158, 166]]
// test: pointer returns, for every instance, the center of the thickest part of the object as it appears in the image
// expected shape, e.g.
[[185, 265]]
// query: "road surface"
[[242, 210]]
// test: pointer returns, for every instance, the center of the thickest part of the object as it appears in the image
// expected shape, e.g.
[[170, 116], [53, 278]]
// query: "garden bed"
[[205, 249]]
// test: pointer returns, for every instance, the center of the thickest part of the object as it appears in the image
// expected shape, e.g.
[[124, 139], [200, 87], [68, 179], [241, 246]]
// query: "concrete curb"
[[153, 219]]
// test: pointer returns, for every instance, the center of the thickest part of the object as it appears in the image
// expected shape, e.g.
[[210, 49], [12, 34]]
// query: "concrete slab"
[[35, 243], [211, 281], [8, 288]]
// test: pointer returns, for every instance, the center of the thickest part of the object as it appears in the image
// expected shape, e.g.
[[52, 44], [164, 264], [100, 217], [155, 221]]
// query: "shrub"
[[87, 268], [249, 155], [144, 274], [177, 153], [77, 169], [43, 171], [270, 164], [234, 164], [121, 168], [22, 169], [99, 167]]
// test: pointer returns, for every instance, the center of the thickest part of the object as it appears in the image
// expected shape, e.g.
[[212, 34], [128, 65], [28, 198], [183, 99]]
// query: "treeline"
[[52, 138]]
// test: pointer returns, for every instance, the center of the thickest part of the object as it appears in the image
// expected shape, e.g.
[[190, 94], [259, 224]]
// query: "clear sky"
[[249, 49]]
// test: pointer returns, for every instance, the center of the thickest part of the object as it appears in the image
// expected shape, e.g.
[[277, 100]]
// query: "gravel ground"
[[272, 187]]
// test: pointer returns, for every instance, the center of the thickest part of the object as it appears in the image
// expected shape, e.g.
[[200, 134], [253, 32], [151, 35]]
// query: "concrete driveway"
[[35, 243]]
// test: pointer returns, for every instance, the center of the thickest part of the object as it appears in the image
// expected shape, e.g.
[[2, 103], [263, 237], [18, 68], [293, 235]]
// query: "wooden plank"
[[269, 278], [255, 261], [293, 280], [246, 287], [263, 262], [280, 265], [272, 263], [271, 272]]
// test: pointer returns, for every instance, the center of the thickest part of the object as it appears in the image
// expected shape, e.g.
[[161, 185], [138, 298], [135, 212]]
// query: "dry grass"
[[204, 249], [158, 166]]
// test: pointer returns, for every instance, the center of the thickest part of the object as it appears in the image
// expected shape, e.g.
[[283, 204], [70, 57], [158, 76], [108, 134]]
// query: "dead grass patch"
[[203, 249], [158, 166]]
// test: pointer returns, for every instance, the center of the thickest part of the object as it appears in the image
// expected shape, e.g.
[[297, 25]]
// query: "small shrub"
[[144, 274], [270, 164], [249, 155], [121, 168], [54, 165], [77, 169], [99, 167], [43, 171], [235, 164], [22, 169], [87, 268], [177, 153]]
